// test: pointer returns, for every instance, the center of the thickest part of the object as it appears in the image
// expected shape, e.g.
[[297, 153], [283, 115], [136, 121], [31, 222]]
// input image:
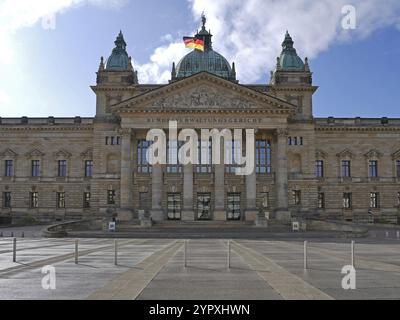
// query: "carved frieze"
[[203, 97]]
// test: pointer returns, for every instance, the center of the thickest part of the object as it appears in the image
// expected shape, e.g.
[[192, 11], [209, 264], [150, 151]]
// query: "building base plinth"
[[251, 214], [157, 215], [220, 215], [283, 215], [187, 215], [124, 214], [261, 220]]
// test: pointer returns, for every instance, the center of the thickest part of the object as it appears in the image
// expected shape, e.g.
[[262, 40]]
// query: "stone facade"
[[64, 185]]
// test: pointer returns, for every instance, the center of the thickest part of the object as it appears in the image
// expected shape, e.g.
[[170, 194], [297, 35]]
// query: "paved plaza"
[[155, 269]]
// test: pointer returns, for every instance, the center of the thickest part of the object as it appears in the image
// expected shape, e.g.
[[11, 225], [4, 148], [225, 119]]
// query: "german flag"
[[194, 43]]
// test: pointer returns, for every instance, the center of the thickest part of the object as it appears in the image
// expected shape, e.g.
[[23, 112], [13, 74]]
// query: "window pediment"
[[319, 154], [88, 154], [8, 153], [396, 155], [35, 153], [345, 154], [62, 154], [373, 154]]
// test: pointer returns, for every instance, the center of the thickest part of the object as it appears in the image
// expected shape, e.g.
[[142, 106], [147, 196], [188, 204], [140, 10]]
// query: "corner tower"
[[114, 78], [292, 79]]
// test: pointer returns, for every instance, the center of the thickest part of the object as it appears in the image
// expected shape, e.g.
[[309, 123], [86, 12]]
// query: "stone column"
[[281, 176], [251, 194], [188, 212], [157, 213], [125, 212], [219, 187]]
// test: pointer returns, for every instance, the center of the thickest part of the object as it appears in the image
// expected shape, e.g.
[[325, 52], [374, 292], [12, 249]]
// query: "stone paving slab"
[[154, 269]]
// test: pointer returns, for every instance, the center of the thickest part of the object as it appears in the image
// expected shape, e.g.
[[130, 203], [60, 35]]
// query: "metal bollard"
[[185, 253], [229, 254], [76, 252], [353, 261], [398, 235], [22, 234], [305, 255], [15, 250], [116, 252], [387, 234], [12, 234]]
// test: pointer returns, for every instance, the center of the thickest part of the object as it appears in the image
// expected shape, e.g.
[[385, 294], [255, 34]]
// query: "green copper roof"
[[289, 60], [209, 60], [119, 60]]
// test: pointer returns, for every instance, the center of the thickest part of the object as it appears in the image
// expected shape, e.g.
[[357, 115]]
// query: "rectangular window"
[[60, 200], [204, 157], [35, 168], [263, 156], [7, 199], [319, 168], [346, 168], [321, 200], [111, 197], [290, 141], [174, 206], [86, 199], [296, 197], [374, 200], [398, 198], [8, 168], [106, 140], [118, 140], [112, 141], [204, 206], [62, 168], [233, 155], [34, 199], [398, 168], [143, 165], [373, 168], [172, 156], [88, 168], [347, 201], [234, 211]]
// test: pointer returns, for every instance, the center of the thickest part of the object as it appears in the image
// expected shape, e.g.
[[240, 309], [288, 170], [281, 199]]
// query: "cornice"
[[27, 128], [357, 129]]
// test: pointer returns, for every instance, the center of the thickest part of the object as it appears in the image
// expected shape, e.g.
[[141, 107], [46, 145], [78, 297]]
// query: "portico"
[[214, 189]]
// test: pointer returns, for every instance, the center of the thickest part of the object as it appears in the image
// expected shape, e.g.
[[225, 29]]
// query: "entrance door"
[[174, 206], [203, 206], [233, 206]]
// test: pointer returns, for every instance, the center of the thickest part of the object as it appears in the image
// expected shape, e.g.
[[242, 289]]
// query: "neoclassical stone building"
[[67, 168]]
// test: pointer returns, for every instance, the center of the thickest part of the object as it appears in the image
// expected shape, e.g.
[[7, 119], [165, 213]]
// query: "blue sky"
[[48, 72]]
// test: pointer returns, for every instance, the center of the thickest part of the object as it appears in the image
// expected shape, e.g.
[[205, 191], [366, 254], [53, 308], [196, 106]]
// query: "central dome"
[[207, 60], [198, 61]]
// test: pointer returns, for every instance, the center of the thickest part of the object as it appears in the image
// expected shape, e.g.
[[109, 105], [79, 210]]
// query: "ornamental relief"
[[203, 97]]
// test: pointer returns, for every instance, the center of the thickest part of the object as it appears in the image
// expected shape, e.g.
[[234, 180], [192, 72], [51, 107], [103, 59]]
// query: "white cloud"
[[4, 98], [250, 32], [17, 14]]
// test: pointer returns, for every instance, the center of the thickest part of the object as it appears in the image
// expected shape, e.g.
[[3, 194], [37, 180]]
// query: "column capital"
[[281, 132], [126, 132]]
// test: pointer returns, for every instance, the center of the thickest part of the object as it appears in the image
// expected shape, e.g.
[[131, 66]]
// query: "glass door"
[[203, 206], [174, 206], [233, 206]]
